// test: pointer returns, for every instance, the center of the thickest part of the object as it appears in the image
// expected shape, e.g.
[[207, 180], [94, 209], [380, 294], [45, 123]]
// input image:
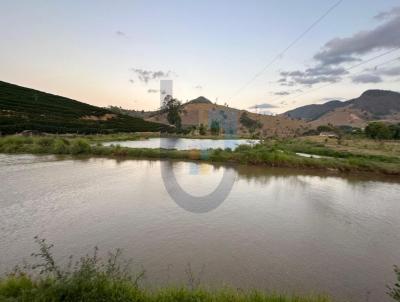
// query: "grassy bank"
[[101, 287], [94, 279], [275, 153]]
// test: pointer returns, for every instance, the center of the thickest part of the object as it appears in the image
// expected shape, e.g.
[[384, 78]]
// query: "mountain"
[[203, 111], [371, 105], [28, 109], [378, 103], [312, 112]]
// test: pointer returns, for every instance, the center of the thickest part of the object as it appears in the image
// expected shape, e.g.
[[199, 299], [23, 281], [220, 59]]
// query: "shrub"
[[44, 141], [60, 146], [93, 279], [79, 146]]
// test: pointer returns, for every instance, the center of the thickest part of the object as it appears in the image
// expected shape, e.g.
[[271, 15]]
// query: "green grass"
[[274, 153], [94, 279], [100, 287]]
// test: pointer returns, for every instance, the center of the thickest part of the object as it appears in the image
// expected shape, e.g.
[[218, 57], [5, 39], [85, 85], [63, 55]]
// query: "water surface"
[[277, 230], [183, 143]]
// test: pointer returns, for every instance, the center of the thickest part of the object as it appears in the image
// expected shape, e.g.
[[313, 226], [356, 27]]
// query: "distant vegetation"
[[92, 279], [251, 124], [374, 130], [380, 130], [215, 128], [27, 109], [276, 153]]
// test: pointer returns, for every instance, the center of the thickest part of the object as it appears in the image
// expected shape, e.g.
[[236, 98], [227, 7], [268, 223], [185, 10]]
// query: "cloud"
[[374, 75], [288, 84], [262, 106], [147, 75], [384, 15], [285, 93], [366, 78], [327, 67], [326, 100], [384, 36], [152, 91], [391, 71], [282, 93], [120, 33], [311, 76], [131, 81]]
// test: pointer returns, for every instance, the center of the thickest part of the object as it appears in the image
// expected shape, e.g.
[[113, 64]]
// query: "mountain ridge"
[[371, 105]]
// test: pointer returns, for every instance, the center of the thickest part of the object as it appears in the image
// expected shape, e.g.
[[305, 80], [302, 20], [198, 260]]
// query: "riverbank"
[[101, 287], [94, 279], [273, 153]]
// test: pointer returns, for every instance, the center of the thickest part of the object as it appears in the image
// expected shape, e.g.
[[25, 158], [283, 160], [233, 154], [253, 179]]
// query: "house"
[[329, 134]]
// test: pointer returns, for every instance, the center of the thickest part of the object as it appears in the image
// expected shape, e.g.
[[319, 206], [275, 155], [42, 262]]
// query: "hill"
[[312, 112], [371, 105], [28, 109], [204, 112], [200, 100], [378, 103]]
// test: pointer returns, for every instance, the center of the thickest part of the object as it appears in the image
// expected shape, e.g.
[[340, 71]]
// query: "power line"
[[278, 56], [345, 70]]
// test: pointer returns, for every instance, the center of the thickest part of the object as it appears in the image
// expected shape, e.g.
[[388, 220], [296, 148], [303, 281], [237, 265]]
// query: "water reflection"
[[278, 229], [183, 143]]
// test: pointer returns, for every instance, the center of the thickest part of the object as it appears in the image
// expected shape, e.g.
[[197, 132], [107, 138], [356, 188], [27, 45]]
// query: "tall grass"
[[394, 291], [94, 279]]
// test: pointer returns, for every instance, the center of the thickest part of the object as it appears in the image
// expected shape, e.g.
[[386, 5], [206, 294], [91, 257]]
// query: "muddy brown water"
[[277, 230]]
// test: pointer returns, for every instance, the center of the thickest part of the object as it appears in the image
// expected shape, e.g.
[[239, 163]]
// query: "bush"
[[60, 146], [79, 146], [93, 279]]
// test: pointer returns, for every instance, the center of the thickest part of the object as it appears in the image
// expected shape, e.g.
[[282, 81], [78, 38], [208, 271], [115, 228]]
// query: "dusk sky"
[[116, 52]]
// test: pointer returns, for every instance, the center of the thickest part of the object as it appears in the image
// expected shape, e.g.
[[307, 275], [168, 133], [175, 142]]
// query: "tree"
[[249, 123], [202, 129], [378, 130], [325, 128], [173, 107], [395, 131], [215, 128]]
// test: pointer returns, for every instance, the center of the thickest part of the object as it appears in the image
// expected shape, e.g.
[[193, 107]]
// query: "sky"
[[235, 52]]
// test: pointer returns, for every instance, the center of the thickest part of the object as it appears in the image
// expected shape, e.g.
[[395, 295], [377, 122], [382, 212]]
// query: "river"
[[277, 229]]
